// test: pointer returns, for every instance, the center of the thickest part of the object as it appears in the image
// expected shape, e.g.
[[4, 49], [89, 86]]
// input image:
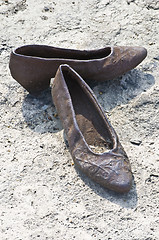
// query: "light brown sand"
[[42, 196]]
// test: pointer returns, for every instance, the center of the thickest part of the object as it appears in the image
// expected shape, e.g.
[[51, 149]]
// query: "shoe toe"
[[115, 175], [121, 183], [135, 55], [141, 53]]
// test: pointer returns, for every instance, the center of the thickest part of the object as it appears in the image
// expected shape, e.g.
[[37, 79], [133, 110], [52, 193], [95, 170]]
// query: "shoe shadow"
[[122, 90], [40, 114], [125, 200]]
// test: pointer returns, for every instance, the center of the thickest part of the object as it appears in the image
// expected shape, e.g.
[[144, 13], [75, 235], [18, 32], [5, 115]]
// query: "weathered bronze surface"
[[34, 65], [93, 142]]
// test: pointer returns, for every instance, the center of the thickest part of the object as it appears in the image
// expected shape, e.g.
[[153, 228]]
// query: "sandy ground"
[[42, 195]]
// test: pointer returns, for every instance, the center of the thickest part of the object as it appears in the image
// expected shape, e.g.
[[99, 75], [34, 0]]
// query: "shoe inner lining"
[[90, 122], [50, 52]]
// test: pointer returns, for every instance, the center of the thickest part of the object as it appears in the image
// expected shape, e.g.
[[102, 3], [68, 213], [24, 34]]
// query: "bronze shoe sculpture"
[[34, 65], [93, 143]]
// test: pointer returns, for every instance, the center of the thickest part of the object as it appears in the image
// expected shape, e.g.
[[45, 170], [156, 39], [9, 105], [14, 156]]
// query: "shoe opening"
[[59, 53], [92, 124]]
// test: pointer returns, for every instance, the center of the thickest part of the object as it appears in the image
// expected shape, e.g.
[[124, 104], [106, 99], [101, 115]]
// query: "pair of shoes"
[[93, 142], [34, 65]]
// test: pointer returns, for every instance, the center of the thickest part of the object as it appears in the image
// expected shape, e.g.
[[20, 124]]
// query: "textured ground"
[[42, 195]]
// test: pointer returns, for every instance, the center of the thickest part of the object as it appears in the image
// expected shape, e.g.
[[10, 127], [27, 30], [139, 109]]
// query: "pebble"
[[136, 142]]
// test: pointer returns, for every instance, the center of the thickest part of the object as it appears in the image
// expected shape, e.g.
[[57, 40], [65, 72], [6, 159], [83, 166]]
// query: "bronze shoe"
[[93, 142], [34, 65]]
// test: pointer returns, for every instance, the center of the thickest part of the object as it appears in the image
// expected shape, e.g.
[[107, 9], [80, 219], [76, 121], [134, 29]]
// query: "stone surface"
[[42, 195]]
